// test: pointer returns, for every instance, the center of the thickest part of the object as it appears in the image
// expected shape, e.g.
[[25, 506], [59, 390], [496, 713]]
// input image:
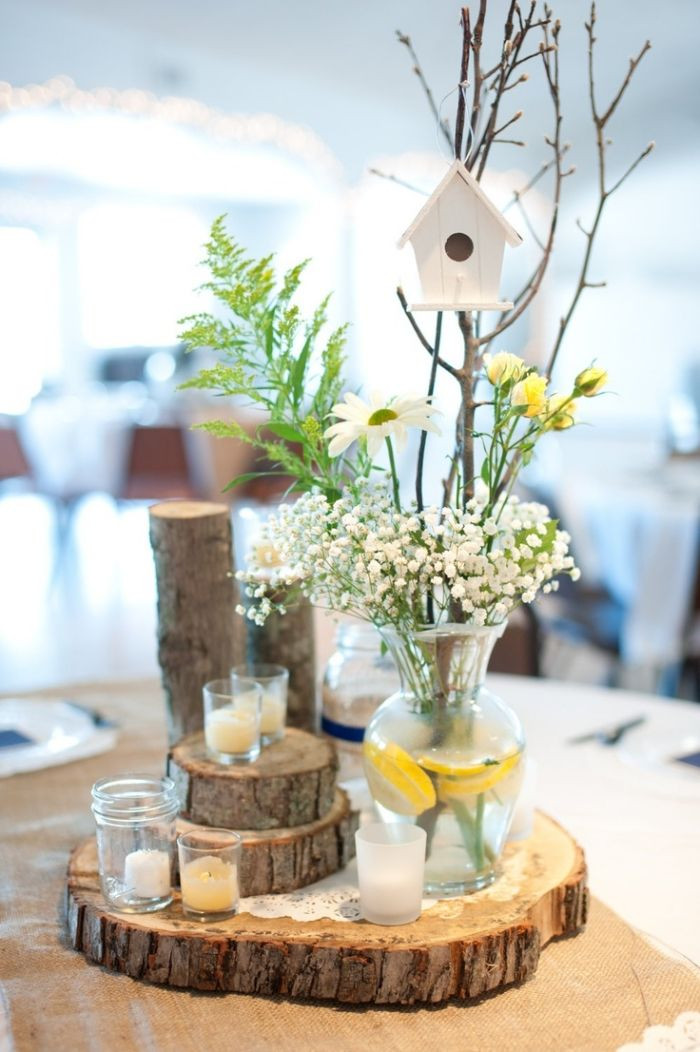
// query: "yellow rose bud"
[[590, 381], [560, 413], [502, 367], [530, 392]]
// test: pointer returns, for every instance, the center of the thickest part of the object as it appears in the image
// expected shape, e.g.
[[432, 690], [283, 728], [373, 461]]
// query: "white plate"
[[59, 734], [657, 751]]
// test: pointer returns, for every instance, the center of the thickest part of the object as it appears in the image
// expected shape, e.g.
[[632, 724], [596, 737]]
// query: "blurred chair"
[[13, 461], [158, 465], [517, 652]]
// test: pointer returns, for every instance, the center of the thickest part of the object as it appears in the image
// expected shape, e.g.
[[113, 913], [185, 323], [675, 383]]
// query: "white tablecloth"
[[638, 825]]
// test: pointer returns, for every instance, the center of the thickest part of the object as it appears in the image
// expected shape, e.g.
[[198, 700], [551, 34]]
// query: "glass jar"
[[359, 676], [135, 817]]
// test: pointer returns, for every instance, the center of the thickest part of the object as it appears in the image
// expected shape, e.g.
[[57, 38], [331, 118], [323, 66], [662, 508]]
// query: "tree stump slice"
[[290, 784], [200, 636], [461, 948]]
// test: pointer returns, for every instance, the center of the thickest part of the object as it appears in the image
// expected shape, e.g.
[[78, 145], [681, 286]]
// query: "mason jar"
[[359, 676], [135, 817]]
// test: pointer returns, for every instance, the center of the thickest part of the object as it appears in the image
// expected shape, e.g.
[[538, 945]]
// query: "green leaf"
[[247, 476], [285, 431]]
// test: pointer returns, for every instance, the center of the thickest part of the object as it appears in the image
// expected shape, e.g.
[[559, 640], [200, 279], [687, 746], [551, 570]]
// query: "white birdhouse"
[[458, 239]]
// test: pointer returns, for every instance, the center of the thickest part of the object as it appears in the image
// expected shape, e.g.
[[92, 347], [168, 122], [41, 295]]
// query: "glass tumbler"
[[209, 860], [135, 817], [232, 720], [273, 681]]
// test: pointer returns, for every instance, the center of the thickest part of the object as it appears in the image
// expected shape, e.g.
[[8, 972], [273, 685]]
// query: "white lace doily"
[[683, 1036], [337, 897]]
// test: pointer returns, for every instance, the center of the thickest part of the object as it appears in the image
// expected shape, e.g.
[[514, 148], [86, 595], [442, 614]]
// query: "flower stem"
[[394, 476]]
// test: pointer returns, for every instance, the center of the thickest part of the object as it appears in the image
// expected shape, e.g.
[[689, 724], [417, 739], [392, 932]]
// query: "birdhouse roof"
[[458, 171]]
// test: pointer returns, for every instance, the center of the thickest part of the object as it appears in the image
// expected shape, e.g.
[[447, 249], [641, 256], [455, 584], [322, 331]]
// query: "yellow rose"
[[530, 392], [502, 367], [560, 413], [590, 381]]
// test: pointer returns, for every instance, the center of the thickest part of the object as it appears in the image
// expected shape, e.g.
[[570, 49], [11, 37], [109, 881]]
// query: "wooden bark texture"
[[288, 640], [277, 861], [199, 634], [461, 948], [290, 784]]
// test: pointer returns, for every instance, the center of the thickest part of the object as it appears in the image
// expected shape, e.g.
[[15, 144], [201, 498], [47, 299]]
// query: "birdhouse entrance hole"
[[459, 247]]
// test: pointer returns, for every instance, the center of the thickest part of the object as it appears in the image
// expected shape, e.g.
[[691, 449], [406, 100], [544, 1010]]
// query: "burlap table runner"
[[594, 992]]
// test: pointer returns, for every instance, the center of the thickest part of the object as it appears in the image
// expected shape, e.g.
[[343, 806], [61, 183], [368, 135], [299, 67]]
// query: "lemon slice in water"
[[396, 780], [468, 781]]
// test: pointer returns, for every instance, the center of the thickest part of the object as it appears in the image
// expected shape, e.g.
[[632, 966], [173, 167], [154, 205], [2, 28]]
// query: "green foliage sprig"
[[269, 356]]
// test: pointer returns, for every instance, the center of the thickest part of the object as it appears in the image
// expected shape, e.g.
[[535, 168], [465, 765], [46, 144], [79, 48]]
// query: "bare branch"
[[416, 328], [516, 117], [399, 182], [463, 78], [633, 63], [604, 192], [546, 167], [417, 69], [528, 224], [550, 60], [645, 153]]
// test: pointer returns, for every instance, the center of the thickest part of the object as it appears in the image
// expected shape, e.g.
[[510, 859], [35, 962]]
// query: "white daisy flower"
[[377, 421]]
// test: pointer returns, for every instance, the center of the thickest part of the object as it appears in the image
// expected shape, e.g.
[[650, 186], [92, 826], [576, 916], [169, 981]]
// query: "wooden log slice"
[[290, 784], [460, 948], [282, 860]]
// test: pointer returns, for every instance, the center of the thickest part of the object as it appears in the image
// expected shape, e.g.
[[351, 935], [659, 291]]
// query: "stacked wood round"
[[296, 825]]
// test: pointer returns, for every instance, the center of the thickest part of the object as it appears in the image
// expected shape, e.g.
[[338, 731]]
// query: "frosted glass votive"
[[273, 681], [390, 865], [209, 860], [232, 720], [521, 823]]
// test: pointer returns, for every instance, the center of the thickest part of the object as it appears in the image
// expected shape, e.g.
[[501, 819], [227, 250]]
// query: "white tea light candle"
[[390, 865], [209, 872], [273, 682], [147, 873], [232, 720], [272, 715], [209, 885], [231, 730]]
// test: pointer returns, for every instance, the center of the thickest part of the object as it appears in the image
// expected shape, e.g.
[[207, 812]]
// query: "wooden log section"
[[289, 640], [277, 861], [460, 948], [200, 636], [291, 783]]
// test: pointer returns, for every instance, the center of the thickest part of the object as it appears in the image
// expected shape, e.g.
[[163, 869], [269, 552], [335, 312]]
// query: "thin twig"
[[463, 77], [417, 69], [431, 392], [550, 62], [416, 328], [395, 179], [604, 192]]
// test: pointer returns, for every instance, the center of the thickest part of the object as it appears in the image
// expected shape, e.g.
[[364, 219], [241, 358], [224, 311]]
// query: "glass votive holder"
[[209, 860], [390, 865], [135, 817], [521, 824], [232, 720], [273, 681]]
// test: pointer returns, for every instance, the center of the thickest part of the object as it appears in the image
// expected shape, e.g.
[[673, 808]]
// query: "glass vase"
[[446, 753]]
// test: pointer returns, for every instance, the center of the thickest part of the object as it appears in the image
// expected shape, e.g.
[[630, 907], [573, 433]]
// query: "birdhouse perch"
[[458, 239]]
